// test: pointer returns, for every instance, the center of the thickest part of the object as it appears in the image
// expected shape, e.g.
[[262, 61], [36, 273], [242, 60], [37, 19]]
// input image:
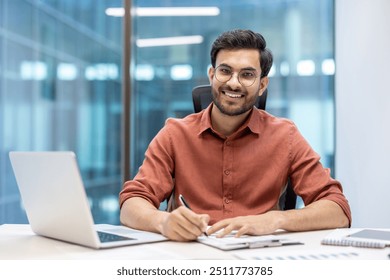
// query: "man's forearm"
[[139, 214], [322, 214]]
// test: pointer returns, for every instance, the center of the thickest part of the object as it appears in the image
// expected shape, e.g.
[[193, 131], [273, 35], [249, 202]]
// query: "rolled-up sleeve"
[[310, 180], [154, 180]]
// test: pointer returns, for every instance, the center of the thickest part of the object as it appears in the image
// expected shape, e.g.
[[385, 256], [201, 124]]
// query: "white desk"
[[18, 242]]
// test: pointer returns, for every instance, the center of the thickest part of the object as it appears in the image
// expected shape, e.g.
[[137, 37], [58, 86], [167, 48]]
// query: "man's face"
[[232, 97]]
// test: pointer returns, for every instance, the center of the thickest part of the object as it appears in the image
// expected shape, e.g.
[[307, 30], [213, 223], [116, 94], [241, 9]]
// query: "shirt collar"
[[253, 123], [205, 121]]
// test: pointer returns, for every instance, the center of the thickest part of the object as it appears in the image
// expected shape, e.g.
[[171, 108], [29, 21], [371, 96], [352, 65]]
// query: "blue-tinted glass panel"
[[61, 90]]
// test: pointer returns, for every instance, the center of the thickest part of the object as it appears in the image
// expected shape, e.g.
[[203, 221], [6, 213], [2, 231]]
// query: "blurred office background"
[[61, 79]]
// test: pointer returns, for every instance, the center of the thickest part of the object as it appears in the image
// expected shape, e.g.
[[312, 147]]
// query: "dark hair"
[[243, 39]]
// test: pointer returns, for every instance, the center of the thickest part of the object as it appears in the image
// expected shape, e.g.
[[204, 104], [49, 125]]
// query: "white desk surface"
[[18, 242]]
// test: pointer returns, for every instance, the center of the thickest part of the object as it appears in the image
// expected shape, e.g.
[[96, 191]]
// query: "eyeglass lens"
[[245, 77]]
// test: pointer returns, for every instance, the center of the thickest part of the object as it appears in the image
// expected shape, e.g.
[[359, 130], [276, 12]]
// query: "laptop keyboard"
[[109, 237]]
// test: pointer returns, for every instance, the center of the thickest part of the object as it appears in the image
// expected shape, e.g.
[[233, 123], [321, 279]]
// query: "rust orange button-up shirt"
[[243, 174]]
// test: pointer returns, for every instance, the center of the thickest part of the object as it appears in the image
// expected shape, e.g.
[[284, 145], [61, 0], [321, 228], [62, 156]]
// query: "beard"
[[231, 109]]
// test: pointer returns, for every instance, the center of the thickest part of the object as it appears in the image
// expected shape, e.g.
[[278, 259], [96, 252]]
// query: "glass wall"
[[60, 64], [60, 78]]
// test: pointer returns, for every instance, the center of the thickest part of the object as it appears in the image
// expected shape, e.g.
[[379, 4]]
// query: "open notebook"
[[56, 204]]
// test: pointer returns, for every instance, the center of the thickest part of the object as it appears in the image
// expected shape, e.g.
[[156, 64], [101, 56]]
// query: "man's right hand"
[[182, 224]]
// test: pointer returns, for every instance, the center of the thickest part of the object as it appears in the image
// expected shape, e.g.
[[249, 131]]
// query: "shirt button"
[[227, 172], [227, 201], [228, 143]]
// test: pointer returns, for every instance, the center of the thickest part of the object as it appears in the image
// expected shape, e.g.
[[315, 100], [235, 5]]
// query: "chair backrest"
[[202, 97]]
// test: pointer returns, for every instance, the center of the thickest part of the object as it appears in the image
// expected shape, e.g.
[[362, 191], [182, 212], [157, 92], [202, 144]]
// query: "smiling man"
[[232, 161]]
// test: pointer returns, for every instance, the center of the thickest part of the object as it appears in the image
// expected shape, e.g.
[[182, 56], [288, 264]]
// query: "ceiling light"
[[328, 67], [66, 71], [181, 72], [166, 11], [306, 67], [33, 70], [144, 72], [169, 41]]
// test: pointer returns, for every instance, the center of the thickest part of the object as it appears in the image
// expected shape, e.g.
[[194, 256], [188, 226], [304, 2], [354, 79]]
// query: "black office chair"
[[202, 97]]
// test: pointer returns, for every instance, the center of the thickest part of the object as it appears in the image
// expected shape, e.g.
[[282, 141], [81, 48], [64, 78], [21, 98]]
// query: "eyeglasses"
[[246, 77]]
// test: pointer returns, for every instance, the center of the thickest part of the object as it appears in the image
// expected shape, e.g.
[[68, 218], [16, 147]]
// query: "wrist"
[[280, 219], [160, 220]]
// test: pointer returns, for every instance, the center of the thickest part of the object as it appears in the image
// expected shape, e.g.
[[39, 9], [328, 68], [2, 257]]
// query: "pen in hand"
[[185, 204]]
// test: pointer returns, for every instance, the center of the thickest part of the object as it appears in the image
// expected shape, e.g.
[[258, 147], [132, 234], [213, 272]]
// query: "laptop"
[[57, 206]]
